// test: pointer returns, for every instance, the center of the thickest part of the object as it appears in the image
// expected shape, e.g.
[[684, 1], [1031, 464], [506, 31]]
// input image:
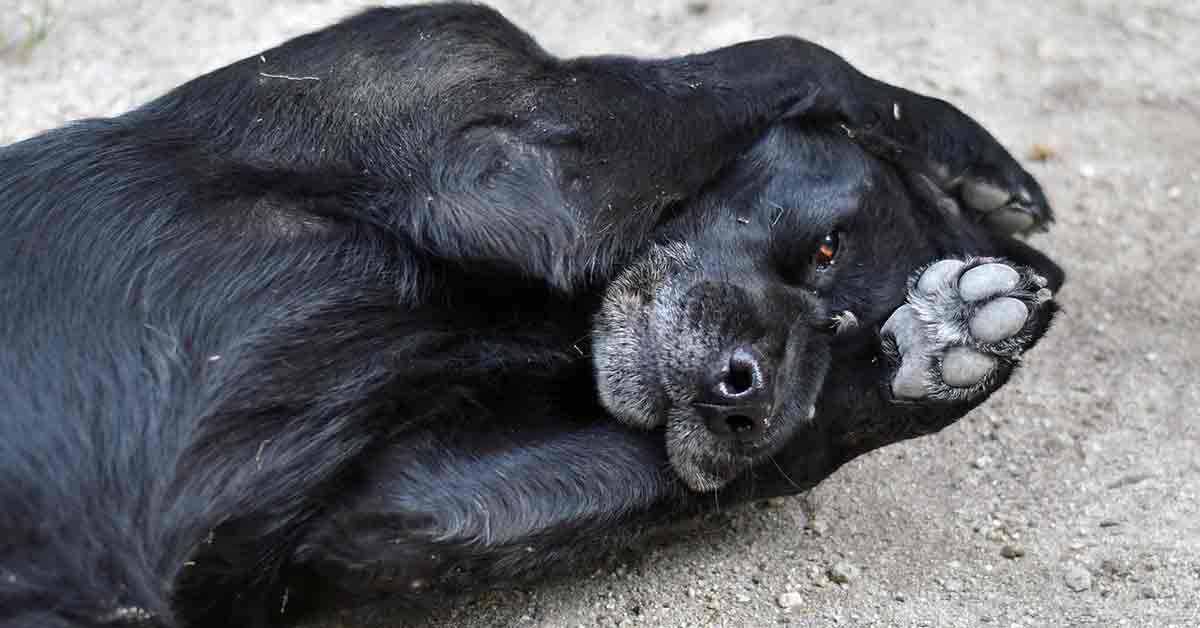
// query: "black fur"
[[236, 307]]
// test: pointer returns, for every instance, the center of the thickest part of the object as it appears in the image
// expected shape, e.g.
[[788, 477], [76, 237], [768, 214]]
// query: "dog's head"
[[722, 333]]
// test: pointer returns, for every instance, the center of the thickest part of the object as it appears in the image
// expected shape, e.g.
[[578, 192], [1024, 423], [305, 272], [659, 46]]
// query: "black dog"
[[747, 268], [222, 308]]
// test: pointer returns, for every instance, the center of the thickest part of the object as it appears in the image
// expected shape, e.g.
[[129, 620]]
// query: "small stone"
[[1042, 152], [789, 600], [982, 462], [952, 585], [1116, 567], [697, 8], [1148, 592], [1049, 50], [742, 599], [1012, 551], [1174, 192], [818, 527], [1087, 171], [692, 592], [813, 572], [1078, 579], [843, 573]]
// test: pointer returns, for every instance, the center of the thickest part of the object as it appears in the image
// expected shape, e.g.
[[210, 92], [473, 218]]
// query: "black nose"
[[735, 400]]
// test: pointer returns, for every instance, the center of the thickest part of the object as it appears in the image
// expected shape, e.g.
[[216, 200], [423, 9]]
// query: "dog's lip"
[[742, 449], [706, 404]]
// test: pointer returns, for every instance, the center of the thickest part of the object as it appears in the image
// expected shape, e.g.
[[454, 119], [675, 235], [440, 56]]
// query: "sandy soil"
[[1086, 465]]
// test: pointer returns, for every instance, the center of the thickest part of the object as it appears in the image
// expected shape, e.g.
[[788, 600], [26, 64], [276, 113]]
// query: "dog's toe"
[[939, 275], [983, 196], [987, 281], [964, 366], [999, 319], [1010, 220], [904, 326], [1008, 202]]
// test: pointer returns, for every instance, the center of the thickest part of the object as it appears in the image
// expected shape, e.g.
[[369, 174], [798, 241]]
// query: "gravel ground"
[[1071, 499]]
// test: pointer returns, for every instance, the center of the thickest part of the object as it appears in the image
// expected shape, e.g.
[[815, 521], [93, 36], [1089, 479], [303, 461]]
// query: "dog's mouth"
[[707, 460], [654, 357]]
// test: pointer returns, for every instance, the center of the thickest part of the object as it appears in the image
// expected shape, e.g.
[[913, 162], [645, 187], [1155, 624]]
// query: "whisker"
[[785, 475]]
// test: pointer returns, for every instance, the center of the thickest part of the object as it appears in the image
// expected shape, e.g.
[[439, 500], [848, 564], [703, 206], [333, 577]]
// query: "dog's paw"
[[1008, 202], [963, 327], [942, 149]]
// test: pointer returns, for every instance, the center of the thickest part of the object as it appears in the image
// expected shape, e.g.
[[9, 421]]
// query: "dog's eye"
[[827, 249]]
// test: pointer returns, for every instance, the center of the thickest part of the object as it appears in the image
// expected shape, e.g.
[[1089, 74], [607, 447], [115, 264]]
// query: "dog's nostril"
[[739, 380], [734, 401], [743, 422], [739, 424], [743, 375]]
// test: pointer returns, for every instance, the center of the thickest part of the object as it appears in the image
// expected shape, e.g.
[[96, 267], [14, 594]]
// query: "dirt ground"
[[1071, 499]]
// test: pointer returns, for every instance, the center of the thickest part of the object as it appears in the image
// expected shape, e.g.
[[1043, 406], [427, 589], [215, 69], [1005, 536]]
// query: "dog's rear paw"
[[962, 161], [1006, 204], [965, 324]]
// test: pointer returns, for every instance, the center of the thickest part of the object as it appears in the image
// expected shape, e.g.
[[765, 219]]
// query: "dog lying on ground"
[[233, 308], [450, 509]]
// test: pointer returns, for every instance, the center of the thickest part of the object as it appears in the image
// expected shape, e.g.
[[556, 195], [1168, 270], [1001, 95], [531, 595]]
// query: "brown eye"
[[827, 249]]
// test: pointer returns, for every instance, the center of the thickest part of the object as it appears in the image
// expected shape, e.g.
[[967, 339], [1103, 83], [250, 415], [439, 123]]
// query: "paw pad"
[[965, 322]]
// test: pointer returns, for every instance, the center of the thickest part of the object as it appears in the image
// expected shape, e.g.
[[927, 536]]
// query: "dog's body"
[[227, 308]]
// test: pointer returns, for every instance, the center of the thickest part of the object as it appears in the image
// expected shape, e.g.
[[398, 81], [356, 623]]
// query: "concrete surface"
[[1086, 464]]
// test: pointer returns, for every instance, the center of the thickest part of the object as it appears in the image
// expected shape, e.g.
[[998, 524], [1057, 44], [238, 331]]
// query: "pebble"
[[1148, 592], [1078, 579], [1087, 171], [1116, 567], [982, 462], [789, 600], [1174, 192], [1012, 551], [843, 573]]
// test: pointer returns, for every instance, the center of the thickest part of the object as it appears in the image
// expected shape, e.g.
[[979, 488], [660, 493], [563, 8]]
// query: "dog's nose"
[[735, 400]]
